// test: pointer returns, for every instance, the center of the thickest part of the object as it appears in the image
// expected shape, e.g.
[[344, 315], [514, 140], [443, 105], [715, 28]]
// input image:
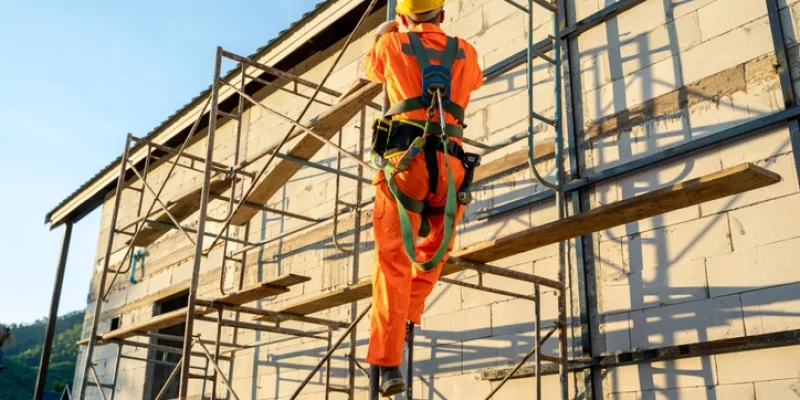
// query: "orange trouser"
[[399, 289]]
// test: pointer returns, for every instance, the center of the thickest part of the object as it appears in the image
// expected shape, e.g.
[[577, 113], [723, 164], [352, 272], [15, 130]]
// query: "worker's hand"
[[386, 27]]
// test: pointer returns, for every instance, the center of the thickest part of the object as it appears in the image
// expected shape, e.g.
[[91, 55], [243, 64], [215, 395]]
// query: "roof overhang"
[[315, 31]]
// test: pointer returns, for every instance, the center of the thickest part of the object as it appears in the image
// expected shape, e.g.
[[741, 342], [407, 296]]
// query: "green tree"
[[22, 358]]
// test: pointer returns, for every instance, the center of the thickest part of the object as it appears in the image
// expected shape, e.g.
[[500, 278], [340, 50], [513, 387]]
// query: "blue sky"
[[75, 77]]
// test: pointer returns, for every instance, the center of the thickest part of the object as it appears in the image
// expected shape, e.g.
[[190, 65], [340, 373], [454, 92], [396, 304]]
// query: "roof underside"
[[335, 31]]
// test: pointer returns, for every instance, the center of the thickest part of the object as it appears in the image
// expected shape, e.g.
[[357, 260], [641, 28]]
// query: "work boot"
[[392, 381]]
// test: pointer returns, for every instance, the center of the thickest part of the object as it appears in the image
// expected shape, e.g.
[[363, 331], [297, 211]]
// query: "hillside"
[[22, 358]]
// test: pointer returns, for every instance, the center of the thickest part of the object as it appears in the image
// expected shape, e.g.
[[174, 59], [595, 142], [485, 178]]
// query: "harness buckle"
[[435, 77]]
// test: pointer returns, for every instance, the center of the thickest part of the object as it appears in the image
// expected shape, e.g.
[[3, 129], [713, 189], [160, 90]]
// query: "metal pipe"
[[538, 337], [410, 363], [185, 143], [267, 342], [303, 128], [55, 300], [573, 30], [531, 114], [328, 367], [374, 382], [177, 338], [537, 346], [561, 205], [518, 6], [279, 87], [163, 206], [231, 200], [308, 104], [682, 150], [106, 260], [267, 209], [354, 275], [330, 351], [547, 6], [321, 167], [158, 362], [98, 383], [508, 273], [278, 316], [289, 233], [216, 354], [216, 165], [219, 371], [151, 346], [190, 230], [263, 328], [487, 289], [784, 73], [147, 158], [201, 226], [281, 74], [334, 233], [171, 378], [116, 371]]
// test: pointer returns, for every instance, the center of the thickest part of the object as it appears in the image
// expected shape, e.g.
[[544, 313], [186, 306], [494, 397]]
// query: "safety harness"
[[410, 137]]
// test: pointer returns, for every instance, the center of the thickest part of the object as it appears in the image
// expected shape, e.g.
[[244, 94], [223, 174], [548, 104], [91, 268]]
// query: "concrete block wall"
[[702, 273], [659, 75]]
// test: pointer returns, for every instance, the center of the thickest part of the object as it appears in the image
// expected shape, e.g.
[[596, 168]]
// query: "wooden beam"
[[263, 289], [181, 207], [327, 125], [260, 290], [728, 182]]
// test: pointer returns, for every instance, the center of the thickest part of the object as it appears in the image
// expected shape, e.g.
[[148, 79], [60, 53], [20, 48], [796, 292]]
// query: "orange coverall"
[[399, 289]]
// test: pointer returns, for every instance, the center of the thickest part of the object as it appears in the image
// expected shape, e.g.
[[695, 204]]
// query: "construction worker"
[[423, 170]]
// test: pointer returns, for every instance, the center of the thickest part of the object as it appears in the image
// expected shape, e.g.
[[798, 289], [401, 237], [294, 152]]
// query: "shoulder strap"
[[450, 52], [419, 50]]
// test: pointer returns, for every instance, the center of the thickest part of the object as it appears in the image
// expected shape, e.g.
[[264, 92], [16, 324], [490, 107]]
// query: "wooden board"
[[714, 186], [361, 290], [326, 125], [271, 287], [262, 290], [181, 207]]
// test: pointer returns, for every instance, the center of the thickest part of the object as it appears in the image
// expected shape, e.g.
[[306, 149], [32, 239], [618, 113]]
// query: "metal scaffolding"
[[239, 179]]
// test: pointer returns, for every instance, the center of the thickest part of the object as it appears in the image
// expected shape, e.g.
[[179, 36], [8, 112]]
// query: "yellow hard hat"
[[407, 7]]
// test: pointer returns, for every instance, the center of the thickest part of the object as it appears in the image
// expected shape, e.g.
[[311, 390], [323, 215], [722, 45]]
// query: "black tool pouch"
[[380, 139]]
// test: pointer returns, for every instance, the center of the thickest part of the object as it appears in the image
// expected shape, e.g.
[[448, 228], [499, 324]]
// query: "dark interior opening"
[[114, 323], [159, 373]]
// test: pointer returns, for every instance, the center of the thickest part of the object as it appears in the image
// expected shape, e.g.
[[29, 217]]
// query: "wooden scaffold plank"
[[327, 125], [252, 293], [728, 182], [181, 207]]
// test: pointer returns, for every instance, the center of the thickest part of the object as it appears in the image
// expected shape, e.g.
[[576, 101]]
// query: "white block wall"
[[723, 269]]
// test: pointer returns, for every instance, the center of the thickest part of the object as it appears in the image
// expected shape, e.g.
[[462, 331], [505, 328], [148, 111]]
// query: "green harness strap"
[[406, 203]]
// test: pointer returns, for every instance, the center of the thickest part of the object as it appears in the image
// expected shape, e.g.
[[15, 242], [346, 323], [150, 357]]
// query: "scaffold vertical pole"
[[98, 305], [198, 254]]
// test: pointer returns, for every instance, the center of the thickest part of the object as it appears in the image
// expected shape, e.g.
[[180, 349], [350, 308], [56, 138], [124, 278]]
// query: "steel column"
[[331, 350], [50, 329], [201, 226], [410, 361], [789, 95], [98, 303]]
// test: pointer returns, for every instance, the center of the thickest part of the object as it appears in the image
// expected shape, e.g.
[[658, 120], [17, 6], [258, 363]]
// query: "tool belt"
[[394, 137]]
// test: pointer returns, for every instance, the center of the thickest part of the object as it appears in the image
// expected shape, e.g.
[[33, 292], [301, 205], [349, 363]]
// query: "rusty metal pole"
[[50, 330], [201, 226], [87, 362]]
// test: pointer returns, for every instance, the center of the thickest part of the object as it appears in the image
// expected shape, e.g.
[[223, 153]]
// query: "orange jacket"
[[391, 61]]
